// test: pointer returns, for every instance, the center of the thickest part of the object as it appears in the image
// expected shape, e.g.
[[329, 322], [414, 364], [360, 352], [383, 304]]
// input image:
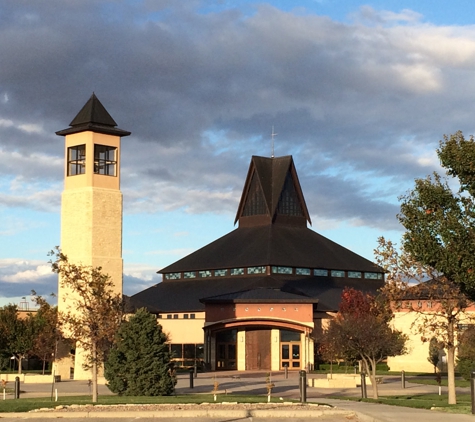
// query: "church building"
[[255, 298]]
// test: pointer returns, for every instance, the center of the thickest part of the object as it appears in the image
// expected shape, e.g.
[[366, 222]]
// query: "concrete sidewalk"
[[255, 383], [371, 412], [233, 382]]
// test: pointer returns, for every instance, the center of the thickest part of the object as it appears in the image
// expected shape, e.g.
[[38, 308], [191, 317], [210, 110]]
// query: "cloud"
[[18, 277], [132, 285], [370, 15], [43, 200], [355, 103], [34, 165], [140, 271], [138, 276], [29, 275]]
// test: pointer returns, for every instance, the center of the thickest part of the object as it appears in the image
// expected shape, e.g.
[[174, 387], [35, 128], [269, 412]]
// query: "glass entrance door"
[[290, 349], [226, 356], [290, 355], [226, 349]]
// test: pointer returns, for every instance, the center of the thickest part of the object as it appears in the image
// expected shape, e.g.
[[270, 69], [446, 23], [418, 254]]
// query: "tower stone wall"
[[91, 230]]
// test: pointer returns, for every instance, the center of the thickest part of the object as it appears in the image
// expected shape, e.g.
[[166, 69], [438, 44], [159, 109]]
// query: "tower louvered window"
[[289, 203], [255, 202]]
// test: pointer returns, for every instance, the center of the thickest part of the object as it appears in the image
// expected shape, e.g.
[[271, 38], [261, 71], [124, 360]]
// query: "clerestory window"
[[282, 270]]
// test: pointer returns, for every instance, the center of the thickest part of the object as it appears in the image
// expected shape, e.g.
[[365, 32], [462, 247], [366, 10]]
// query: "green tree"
[[410, 284], [327, 349], [47, 331], [4, 356], [440, 221], [434, 350], [140, 364], [466, 353], [94, 311], [362, 330], [18, 334], [33, 334]]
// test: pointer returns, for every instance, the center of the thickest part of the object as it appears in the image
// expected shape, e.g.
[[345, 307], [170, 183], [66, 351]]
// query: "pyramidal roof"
[[272, 232], [272, 193], [272, 229], [93, 117], [93, 112]]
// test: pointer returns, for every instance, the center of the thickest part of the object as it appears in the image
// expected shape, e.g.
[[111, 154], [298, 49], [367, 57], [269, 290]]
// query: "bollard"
[[363, 386], [195, 373], [17, 387], [403, 379], [300, 386], [286, 372], [472, 390], [303, 386], [191, 377]]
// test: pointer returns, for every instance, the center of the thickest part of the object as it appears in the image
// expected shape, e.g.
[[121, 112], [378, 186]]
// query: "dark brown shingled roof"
[[265, 241], [272, 174], [273, 245], [94, 117], [274, 242], [260, 295], [184, 295]]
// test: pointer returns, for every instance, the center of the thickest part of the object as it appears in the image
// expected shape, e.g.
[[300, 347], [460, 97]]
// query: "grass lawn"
[[25, 405], [432, 381], [416, 377], [351, 370], [424, 401]]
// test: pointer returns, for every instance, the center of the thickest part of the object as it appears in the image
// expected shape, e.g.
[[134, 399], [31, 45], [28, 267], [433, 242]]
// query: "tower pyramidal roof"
[[95, 118]]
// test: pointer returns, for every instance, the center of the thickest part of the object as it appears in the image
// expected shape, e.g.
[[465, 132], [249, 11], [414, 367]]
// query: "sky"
[[359, 93]]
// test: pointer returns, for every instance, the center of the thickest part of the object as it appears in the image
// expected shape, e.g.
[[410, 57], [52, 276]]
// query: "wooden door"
[[258, 352]]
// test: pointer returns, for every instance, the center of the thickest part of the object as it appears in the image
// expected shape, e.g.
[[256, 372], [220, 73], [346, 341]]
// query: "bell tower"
[[91, 203]]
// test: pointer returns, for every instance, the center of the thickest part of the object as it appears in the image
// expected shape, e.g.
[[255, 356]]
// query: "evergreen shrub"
[[139, 363]]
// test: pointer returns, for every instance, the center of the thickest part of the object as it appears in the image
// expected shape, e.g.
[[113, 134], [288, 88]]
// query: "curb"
[[363, 417], [210, 413]]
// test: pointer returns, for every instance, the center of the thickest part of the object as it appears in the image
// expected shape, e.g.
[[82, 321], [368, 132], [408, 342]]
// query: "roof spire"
[[273, 135]]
